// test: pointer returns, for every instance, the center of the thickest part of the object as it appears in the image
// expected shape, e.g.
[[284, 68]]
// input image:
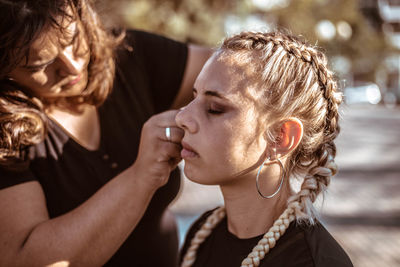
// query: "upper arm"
[[22, 207], [197, 56], [170, 67]]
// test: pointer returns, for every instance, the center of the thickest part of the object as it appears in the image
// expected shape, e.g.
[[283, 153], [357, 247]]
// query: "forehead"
[[234, 75], [51, 38]]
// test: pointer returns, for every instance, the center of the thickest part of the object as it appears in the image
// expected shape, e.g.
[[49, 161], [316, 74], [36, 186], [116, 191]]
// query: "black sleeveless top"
[[147, 80], [299, 246]]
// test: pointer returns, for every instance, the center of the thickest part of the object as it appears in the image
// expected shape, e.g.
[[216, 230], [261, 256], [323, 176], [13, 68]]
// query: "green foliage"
[[186, 20], [365, 41], [202, 21]]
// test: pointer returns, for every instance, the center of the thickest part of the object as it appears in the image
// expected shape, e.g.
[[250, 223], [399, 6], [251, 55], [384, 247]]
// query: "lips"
[[75, 81], [188, 151]]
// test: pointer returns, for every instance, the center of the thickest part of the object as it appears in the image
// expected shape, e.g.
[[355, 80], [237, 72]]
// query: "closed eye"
[[215, 112], [40, 67], [215, 109]]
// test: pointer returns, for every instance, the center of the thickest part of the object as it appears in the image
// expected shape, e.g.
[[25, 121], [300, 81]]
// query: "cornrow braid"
[[313, 160], [296, 82]]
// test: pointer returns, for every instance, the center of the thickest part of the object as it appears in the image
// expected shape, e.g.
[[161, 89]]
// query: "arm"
[[197, 56], [90, 234]]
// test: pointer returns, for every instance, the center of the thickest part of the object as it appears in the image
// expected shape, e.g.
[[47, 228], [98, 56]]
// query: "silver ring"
[[168, 133]]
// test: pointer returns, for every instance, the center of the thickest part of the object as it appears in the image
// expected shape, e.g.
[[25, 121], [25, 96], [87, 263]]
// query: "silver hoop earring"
[[282, 174]]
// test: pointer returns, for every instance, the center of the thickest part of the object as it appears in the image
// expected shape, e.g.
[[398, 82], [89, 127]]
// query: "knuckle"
[[146, 125], [166, 147]]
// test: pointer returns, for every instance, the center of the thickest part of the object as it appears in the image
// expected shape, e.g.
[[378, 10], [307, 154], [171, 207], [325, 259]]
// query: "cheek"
[[232, 148], [243, 145], [40, 82], [36, 82], [227, 148], [40, 79]]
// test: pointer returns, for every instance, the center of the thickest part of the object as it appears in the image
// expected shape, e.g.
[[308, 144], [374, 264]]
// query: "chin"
[[73, 91], [198, 178]]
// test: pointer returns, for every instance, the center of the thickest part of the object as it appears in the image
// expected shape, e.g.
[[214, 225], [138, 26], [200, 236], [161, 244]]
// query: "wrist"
[[143, 179]]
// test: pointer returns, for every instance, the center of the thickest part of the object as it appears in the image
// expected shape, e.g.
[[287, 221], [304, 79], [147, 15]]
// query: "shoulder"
[[142, 36], [324, 249], [14, 174], [157, 56], [142, 43], [307, 245], [137, 37], [197, 224], [193, 230], [155, 61], [17, 171]]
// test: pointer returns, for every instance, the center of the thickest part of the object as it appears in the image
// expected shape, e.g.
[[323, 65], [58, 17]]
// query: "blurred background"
[[362, 40]]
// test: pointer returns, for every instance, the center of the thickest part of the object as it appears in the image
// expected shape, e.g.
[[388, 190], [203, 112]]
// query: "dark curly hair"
[[22, 118]]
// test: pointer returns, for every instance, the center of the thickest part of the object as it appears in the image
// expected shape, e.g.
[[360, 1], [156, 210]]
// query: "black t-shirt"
[[147, 79], [300, 246]]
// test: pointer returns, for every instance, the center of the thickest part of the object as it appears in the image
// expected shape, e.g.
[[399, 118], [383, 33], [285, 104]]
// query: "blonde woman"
[[265, 112]]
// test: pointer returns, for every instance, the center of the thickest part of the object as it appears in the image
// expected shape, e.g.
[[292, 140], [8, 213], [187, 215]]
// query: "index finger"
[[166, 118]]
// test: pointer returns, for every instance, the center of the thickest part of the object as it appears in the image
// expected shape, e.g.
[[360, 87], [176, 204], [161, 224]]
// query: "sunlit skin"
[[220, 126], [57, 65]]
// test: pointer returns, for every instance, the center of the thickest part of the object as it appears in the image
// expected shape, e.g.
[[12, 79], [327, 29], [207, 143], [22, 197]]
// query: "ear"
[[290, 135]]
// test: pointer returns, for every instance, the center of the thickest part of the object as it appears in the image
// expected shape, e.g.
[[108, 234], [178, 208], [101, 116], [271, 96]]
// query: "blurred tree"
[[366, 48], [193, 21], [203, 22]]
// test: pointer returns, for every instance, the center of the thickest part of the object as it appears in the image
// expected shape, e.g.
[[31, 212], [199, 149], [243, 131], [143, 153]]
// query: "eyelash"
[[37, 69], [210, 110], [215, 111]]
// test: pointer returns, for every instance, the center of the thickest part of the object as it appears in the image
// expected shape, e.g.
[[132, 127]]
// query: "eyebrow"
[[38, 65], [74, 36], [212, 93], [34, 66]]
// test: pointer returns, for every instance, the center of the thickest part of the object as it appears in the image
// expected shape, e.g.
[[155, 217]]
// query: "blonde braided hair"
[[295, 82]]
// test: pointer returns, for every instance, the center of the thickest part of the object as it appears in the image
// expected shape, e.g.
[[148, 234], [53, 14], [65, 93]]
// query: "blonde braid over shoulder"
[[201, 235], [259, 251], [271, 237]]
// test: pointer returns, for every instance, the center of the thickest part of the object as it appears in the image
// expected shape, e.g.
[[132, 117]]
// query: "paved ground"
[[362, 207]]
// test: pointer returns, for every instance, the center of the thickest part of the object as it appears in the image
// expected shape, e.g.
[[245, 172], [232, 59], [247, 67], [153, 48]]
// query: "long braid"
[[317, 177], [324, 167], [304, 88], [201, 235]]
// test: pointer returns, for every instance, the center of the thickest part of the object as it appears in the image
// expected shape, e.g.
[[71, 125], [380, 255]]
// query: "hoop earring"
[[282, 174]]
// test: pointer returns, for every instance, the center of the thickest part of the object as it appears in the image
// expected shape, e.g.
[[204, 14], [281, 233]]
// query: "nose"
[[69, 64], [185, 120]]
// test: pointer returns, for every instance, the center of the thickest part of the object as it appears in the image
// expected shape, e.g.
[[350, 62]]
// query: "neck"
[[83, 127], [248, 213]]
